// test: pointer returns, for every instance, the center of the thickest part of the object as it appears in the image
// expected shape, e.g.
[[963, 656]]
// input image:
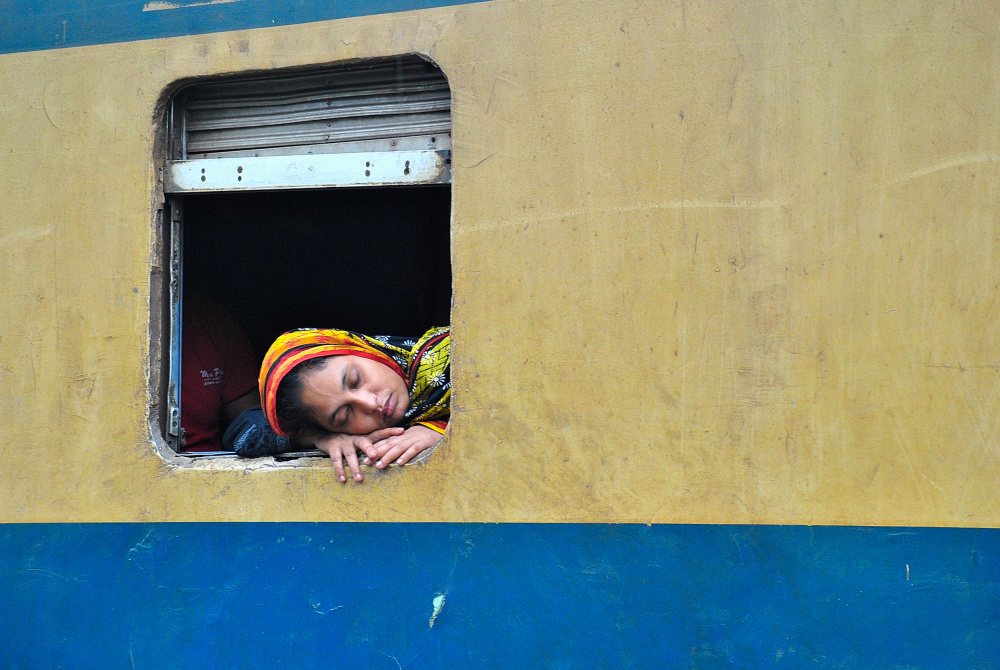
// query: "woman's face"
[[355, 395]]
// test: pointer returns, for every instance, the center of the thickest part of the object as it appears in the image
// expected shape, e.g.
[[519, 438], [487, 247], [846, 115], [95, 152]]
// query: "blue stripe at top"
[[33, 25]]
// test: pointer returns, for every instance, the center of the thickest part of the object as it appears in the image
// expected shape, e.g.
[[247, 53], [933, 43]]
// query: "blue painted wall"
[[241, 595], [30, 25]]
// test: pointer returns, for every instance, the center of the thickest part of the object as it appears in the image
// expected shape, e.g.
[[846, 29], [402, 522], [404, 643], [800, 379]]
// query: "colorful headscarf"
[[424, 364]]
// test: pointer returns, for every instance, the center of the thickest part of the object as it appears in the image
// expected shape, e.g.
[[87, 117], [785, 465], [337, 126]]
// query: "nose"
[[367, 402]]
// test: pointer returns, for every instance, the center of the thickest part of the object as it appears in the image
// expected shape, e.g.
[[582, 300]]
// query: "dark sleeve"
[[251, 436]]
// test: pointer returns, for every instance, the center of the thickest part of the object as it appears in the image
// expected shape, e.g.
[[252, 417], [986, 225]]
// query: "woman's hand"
[[339, 446], [402, 448]]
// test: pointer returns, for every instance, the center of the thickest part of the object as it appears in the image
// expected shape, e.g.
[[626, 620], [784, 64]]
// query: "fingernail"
[[367, 461], [399, 462], [378, 464], [357, 477], [343, 478]]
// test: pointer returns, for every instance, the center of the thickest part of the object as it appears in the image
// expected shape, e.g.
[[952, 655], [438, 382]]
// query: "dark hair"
[[294, 416]]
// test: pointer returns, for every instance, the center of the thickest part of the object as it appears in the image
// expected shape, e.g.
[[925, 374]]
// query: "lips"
[[388, 408]]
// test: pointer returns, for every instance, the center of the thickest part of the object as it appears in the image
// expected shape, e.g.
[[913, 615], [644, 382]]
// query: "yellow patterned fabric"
[[424, 364], [429, 381]]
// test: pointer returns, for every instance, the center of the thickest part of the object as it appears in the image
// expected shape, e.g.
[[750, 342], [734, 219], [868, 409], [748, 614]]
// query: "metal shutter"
[[378, 122]]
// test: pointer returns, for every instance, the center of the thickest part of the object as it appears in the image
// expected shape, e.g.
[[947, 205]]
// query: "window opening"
[[316, 198]]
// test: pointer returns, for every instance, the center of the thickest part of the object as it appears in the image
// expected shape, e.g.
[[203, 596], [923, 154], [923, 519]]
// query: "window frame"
[[384, 166]]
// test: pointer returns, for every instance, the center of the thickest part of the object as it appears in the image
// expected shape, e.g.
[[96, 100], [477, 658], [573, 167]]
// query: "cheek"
[[318, 409], [393, 382], [402, 394], [319, 415], [390, 381], [362, 425]]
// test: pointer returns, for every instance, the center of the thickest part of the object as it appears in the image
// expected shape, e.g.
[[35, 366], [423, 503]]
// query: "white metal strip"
[[309, 171]]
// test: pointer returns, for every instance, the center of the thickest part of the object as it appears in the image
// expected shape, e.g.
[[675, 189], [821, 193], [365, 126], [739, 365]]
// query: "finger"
[[377, 437], [407, 455], [338, 463], [365, 445], [384, 433], [385, 446], [417, 446], [394, 452], [352, 462]]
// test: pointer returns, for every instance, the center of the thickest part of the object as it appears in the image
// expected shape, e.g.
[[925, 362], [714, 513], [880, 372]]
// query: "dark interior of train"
[[374, 260]]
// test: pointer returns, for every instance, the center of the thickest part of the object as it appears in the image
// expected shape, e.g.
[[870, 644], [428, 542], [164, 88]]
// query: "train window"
[[306, 198]]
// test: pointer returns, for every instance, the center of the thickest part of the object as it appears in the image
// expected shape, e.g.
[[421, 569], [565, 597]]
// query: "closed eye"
[[341, 416]]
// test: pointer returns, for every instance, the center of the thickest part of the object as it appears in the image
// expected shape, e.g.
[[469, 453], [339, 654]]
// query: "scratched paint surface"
[[618, 596], [30, 25], [713, 262]]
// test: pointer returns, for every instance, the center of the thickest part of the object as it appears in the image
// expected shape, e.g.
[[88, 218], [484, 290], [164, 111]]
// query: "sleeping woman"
[[389, 397]]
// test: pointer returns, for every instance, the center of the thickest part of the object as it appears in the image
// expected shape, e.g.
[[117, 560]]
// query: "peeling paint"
[[159, 6], [438, 604]]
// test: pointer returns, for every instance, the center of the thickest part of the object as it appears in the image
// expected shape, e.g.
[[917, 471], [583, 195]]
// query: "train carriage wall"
[[726, 288]]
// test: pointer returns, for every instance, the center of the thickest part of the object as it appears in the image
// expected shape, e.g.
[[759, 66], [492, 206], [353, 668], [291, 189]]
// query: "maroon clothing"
[[217, 367]]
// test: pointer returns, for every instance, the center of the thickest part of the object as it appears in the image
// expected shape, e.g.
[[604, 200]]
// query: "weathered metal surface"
[[386, 100], [714, 262], [497, 596], [312, 171], [65, 24], [176, 311]]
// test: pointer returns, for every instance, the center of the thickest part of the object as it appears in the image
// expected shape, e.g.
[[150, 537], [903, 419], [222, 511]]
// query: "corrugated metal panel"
[[386, 103]]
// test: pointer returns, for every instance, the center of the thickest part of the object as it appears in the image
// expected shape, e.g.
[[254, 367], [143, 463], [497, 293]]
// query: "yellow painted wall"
[[713, 262]]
